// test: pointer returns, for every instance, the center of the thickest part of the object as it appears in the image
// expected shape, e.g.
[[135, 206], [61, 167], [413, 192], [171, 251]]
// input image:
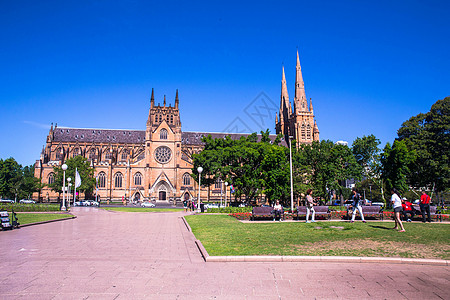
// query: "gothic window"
[[163, 134], [167, 118], [186, 179], [51, 178], [101, 180], [76, 152], [156, 118], [58, 154], [92, 153], [124, 154], [218, 184], [163, 154], [303, 132], [160, 118], [308, 132], [118, 180], [137, 179], [107, 154], [171, 119]]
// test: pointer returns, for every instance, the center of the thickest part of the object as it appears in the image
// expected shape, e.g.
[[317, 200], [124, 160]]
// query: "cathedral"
[[155, 164]]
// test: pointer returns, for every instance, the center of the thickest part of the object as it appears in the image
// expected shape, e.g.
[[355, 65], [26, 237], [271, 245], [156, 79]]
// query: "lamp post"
[[290, 167], [68, 192], [226, 188], [370, 187], [64, 168], [200, 170]]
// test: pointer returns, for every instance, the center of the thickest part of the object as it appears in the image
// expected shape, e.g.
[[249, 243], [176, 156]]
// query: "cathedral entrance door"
[[162, 196]]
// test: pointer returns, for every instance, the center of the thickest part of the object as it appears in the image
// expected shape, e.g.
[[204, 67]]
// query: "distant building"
[[156, 163], [296, 120]]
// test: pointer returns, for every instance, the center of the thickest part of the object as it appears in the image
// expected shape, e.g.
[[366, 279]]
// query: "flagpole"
[[75, 191]]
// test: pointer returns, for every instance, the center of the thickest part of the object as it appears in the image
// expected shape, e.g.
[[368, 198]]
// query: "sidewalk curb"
[[338, 259], [49, 221]]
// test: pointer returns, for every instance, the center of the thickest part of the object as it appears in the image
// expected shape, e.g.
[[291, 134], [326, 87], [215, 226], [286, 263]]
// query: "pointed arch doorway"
[[162, 191]]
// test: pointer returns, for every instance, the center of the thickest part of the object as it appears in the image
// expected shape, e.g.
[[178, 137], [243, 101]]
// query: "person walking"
[[310, 206], [357, 205], [277, 209], [425, 206], [397, 204], [185, 205]]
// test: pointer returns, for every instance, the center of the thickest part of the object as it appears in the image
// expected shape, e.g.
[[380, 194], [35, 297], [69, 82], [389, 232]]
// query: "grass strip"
[[141, 209], [28, 218], [224, 235]]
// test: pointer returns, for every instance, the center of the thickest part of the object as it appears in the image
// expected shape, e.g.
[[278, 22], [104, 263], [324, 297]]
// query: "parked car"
[[27, 201], [212, 205], [147, 204], [90, 203], [6, 201]]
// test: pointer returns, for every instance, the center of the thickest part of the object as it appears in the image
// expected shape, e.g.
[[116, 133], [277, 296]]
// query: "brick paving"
[[116, 255]]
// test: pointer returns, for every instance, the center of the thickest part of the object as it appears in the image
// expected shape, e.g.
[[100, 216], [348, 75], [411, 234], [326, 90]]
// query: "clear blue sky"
[[367, 65]]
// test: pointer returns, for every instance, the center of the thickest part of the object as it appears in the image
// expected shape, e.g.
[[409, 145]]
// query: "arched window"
[[186, 179], [124, 154], [118, 180], [163, 134], [156, 118], [167, 118], [171, 119], [160, 118], [303, 132], [138, 179], [76, 152], [218, 184], [107, 154], [101, 180], [308, 132], [92, 153], [51, 178], [58, 154]]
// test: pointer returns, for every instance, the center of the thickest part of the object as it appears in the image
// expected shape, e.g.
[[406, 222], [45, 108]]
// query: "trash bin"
[[202, 207]]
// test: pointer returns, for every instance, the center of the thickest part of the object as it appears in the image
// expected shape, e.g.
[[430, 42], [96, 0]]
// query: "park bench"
[[368, 211], [434, 212], [264, 212], [320, 211]]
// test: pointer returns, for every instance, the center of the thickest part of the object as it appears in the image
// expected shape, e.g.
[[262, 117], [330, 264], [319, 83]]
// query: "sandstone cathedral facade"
[[156, 163]]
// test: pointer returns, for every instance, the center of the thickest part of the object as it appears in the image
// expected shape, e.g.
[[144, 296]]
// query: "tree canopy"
[[429, 136], [17, 182]]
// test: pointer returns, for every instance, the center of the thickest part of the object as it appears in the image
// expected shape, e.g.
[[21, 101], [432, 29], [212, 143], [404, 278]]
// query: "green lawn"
[[33, 218], [224, 235], [140, 209]]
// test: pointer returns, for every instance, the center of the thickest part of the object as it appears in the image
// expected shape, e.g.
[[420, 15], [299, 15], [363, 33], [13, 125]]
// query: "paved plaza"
[[118, 255]]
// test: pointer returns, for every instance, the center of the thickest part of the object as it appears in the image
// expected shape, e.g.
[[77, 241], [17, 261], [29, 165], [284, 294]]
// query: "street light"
[[290, 167], [64, 168], [68, 192], [200, 170], [226, 188]]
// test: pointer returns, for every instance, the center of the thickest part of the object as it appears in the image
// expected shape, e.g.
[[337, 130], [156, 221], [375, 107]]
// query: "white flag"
[[77, 179]]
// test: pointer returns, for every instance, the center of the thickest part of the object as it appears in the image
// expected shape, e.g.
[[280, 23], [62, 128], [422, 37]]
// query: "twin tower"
[[296, 121]]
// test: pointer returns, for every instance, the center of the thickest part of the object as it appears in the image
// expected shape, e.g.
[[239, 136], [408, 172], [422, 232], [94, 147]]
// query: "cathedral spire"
[[310, 106], [164, 100], [177, 101], [152, 99], [284, 93], [300, 101]]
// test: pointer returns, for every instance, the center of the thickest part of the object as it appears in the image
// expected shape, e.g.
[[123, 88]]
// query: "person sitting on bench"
[[277, 209]]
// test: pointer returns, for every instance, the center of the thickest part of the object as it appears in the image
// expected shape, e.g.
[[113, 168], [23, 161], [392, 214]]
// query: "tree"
[[10, 178], [324, 166], [395, 165], [254, 168], [429, 136], [84, 169], [368, 156]]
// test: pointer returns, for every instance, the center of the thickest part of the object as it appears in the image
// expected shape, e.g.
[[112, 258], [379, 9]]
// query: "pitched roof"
[[126, 136]]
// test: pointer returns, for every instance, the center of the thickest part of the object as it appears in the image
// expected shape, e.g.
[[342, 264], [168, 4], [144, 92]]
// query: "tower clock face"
[[163, 154]]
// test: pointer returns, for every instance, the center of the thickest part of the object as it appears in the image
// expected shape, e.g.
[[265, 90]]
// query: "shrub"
[[18, 207]]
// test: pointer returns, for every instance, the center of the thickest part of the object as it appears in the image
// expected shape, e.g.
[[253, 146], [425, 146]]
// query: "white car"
[[147, 204], [27, 201], [212, 205], [6, 201]]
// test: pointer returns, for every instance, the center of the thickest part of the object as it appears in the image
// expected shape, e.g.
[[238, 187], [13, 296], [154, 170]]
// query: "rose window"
[[163, 154]]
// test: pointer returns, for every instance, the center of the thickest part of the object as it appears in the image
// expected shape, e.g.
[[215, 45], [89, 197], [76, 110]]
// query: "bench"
[[368, 210], [264, 212], [434, 212], [320, 211]]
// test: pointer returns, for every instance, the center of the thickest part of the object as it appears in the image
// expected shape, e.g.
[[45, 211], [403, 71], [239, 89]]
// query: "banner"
[[77, 179]]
